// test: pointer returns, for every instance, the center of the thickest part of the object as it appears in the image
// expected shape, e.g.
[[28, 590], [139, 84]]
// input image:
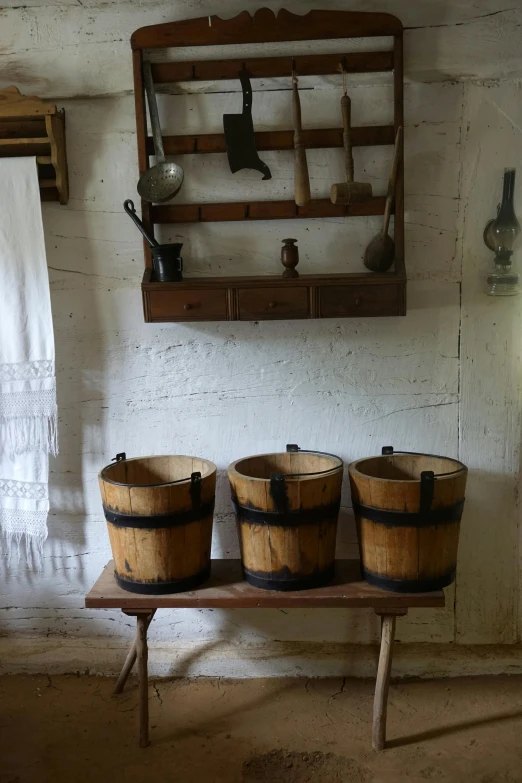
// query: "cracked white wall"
[[226, 390]]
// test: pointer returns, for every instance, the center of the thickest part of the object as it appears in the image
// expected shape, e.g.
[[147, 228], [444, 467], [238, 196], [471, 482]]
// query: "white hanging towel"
[[28, 414]]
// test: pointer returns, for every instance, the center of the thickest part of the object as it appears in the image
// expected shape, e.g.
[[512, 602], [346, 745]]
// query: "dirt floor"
[[71, 729]]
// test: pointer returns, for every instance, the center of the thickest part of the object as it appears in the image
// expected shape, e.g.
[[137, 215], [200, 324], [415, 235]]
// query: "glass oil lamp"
[[500, 236]]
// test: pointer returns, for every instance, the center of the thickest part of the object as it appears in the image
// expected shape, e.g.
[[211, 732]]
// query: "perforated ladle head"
[[162, 181]]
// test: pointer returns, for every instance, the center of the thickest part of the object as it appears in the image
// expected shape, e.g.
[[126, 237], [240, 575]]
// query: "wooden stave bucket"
[[415, 517], [284, 521], [175, 541]]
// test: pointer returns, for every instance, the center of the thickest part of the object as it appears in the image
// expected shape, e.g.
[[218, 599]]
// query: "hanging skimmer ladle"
[[163, 180]]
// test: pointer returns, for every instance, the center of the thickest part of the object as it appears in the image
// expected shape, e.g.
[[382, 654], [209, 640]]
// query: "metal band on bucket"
[[154, 521], [435, 516], [301, 516]]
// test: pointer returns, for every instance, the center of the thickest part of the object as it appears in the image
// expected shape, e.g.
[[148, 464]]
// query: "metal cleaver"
[[239, 135]]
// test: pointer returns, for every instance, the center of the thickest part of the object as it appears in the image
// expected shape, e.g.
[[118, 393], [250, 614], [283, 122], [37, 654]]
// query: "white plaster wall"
[[444, 379], [64, 48]]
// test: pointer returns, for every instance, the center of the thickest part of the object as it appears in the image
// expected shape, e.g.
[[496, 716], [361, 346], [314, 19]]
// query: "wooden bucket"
[[159, 512], [287, 507], [408, 509]]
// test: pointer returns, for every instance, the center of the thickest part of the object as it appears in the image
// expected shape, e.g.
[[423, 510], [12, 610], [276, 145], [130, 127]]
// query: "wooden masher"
[[348, 192]]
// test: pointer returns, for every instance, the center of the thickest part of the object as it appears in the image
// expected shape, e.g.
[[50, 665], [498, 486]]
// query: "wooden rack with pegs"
[[29, 126], [360, 294]]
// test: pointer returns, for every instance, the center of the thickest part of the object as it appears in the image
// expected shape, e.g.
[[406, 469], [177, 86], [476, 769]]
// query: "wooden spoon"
[[381, 250]]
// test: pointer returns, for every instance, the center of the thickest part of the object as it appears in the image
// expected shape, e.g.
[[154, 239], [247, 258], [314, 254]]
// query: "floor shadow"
[[455, 728], [212, 725]]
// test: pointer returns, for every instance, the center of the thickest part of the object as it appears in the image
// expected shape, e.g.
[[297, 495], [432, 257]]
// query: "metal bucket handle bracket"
[[427, 487], [278, 492], [278, 489], [293, 448], [427, 479], [195, 489], [119, 457]]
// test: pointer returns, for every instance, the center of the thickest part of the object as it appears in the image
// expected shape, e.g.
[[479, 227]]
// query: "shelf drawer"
[[268, 303], [359, 300], [197, 304]]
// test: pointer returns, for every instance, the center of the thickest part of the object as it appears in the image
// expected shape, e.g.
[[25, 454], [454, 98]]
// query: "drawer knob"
[[358, 302], [272, 305], [187, 306]]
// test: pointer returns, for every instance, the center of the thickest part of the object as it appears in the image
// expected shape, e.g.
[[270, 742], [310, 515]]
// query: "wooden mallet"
[[348, 192]]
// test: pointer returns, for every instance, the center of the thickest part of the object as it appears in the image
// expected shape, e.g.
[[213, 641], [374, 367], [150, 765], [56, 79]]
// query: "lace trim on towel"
[[26, 371], [28, 490], [29, 421], [28, 403], [28, 528]]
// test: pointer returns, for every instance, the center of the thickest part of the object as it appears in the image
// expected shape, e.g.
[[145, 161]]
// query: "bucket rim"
[[188, 479], [232, 468], [353, 466]]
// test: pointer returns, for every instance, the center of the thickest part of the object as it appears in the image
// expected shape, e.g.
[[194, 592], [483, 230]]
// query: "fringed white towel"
[[28, 415]]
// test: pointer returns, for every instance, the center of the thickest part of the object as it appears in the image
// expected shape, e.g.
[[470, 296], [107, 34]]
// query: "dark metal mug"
[[167, 262]]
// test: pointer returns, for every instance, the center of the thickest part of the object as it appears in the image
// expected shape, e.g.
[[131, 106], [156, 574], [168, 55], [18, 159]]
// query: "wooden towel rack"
[[29, 126]]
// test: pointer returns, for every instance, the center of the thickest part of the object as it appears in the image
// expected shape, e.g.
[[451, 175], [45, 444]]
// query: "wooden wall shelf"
[[272, 297], [269, 297], [29, 126]]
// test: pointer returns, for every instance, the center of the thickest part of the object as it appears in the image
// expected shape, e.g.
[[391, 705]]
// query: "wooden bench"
[[226, 589]]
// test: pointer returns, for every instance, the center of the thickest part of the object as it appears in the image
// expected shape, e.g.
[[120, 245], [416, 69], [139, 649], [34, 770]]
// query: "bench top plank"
[[226, 589]]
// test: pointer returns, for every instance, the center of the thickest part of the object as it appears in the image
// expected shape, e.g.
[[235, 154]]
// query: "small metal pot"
[[167, 262]]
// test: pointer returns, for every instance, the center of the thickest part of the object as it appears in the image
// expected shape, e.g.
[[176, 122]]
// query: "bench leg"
[[130, 660], [143, 618], [142, 656], [382, 685]]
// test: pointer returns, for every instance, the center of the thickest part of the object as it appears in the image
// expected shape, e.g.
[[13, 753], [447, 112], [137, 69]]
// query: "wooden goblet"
[[290, 258]]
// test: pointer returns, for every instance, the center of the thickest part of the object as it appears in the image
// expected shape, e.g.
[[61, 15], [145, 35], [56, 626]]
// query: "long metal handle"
[[153, 111], [389, 451], [128, 206]]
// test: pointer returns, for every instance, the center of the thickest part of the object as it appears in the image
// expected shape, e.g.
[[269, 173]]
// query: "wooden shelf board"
[[15, 106], [23, 142], [317, 138], [267, 281], [49, 194], [261, 210], [10, 148], [15, 128], [269, 67]]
